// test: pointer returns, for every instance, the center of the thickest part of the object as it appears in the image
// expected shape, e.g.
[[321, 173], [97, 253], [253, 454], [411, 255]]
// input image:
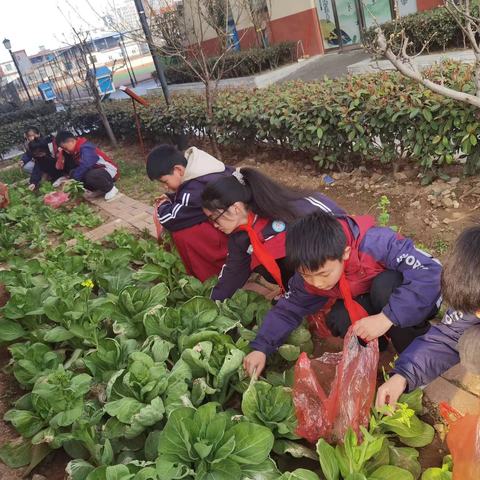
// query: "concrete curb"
[[261, 80], [424, 61]]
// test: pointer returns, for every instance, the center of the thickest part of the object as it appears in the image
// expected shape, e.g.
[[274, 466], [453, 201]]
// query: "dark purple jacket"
[[27, 156], [185, 206], [409, 304], [430, 355], [237, 269]]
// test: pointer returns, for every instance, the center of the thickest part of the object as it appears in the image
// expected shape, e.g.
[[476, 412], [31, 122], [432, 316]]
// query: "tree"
[[181, 31], [259, 14], [467, 17], [87, 74]]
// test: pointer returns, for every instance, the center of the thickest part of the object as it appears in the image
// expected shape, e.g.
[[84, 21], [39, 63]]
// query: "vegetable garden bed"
[[127, 365]]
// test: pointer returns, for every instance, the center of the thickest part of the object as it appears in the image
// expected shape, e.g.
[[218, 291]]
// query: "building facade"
[[316, 25]]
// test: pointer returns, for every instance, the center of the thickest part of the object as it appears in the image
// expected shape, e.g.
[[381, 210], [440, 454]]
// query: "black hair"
[[32, 129], [39, 146], [314, 239], [461, 272], [262, 195], [162, 159], [63, 136]]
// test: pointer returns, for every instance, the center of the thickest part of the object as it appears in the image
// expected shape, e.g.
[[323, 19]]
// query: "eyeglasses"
[[212, 220]]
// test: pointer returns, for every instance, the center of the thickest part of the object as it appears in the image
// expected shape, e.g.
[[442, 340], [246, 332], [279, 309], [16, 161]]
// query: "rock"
[[454, 180], [456, 204], [39, 477], [447, 202], [400, 176], [416, 204], [308, 167]]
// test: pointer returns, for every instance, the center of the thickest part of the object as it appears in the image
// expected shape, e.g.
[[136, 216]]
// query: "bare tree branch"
[[411, 71]]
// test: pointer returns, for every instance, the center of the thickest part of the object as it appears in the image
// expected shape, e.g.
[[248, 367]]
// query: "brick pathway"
[[128, 213], [457, 387]]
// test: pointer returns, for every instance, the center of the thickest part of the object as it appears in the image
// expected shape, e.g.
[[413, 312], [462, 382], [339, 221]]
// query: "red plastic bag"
[[4, 198], [156, 222], [336, 391], [317, 322], [463, 441], [55, 199]]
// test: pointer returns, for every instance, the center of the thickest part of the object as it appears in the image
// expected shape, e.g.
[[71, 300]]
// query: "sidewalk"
[[127, 212], [260, 80], [370, 65]]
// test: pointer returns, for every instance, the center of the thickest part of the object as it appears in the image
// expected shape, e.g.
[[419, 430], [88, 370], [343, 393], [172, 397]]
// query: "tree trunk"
[[106, 123]]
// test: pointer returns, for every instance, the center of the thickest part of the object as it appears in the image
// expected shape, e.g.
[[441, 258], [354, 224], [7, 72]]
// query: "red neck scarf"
[[261, 252], [355, 310]]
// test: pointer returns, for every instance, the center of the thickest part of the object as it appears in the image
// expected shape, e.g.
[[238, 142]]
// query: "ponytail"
[[263, 196]]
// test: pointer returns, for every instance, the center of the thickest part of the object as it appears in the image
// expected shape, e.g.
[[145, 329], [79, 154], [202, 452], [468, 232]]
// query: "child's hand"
[[390, 391], [162, 199], [32, 187], [372, 327], [254, 362]]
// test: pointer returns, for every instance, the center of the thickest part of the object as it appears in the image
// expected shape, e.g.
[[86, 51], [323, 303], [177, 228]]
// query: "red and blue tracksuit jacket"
[[430, 355], [374, 249], [85, 157], [241, 260]]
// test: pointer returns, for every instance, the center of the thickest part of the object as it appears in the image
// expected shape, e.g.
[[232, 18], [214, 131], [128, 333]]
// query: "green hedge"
[[436, 28], [239, 64], [340, 122], [16, 114]]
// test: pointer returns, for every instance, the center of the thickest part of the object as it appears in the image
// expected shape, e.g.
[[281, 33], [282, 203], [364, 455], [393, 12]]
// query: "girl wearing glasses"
[[254, 211]]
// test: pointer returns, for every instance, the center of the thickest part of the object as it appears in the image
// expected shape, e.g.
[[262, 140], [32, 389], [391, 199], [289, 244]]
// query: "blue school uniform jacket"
[[184, 209], [374, 249], [430, 355]]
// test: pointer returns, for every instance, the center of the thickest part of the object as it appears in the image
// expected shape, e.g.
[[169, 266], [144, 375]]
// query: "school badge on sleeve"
[[278, 226]]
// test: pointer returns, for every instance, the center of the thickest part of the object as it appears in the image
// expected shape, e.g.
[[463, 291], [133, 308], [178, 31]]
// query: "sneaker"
[[111, 194], [59, 181]]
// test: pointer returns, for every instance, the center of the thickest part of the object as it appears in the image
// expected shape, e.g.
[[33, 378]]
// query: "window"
[[9, 67]]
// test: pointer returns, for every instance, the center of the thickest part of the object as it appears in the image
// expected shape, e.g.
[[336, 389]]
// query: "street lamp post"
[[8, 45], [153, 53]]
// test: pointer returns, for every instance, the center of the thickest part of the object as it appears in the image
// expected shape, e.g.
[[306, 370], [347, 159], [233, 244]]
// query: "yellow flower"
[[88, 283]]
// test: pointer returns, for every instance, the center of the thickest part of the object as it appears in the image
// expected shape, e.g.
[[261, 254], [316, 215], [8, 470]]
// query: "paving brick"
[[440, 390], [106, 229], [467, 381]]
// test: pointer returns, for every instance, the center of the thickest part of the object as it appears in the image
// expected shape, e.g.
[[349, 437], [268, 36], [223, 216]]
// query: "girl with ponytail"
[[255, 212]]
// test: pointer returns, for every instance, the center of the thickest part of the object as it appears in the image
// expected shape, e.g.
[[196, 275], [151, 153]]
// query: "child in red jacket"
[[203, 249]]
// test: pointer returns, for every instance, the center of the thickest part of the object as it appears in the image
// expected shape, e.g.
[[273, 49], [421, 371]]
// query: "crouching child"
[[398, 285], [457, 338], [202, 248], [44, 163], [81, 160]]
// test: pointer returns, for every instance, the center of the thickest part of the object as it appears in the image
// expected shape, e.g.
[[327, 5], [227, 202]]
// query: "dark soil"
[[429, 214]]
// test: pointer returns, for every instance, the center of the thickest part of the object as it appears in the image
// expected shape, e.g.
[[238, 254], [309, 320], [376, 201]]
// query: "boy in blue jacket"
[[83, 161], [202, 248], [435, 352], [397, 284]]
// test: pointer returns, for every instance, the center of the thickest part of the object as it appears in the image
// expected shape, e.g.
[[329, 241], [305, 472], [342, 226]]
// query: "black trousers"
[[373, 302], [98, 180]]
